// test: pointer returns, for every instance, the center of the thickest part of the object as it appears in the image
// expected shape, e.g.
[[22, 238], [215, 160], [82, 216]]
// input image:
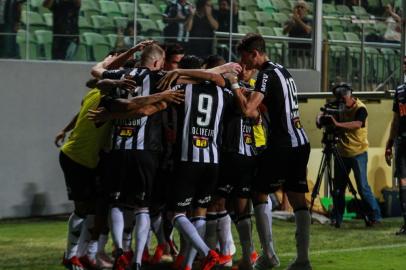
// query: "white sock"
[[117, 226], [263, 217], [85, 235], [74, 229], [156, 226], [211, 230], [302, 219], [224, 232], [142, 226], [186, 228], [103, 239], [128, 229], [200, 224], [92, 249], [244, 228]]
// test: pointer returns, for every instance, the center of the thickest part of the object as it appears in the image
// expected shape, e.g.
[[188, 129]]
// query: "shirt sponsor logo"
[[264, 81]]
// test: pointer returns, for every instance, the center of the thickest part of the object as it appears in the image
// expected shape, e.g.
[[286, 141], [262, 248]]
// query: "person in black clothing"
[[223, 17], [65, 27], [10, 14], [178, 13], [284, 162], [397, 138], [300, 27], [201, 28]]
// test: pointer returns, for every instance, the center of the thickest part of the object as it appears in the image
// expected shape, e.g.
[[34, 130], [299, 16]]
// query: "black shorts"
[[236, 175], [80, 180], [400, 159], [163, 178], [282, 167], [193, 185], [131, 176]]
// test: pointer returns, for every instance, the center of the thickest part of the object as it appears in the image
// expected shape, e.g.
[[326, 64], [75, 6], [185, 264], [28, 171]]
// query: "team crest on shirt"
[[297, 123]]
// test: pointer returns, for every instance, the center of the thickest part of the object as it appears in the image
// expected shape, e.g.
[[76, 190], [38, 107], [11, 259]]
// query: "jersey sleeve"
[[361, 115], [263, 83], [115, 74]]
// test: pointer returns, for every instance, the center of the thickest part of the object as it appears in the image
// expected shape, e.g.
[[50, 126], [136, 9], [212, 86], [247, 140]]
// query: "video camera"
[[333, 108]]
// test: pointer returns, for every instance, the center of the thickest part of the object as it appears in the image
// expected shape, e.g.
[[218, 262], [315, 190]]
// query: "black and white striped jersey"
[[143, 133], [199, 128], [280, 97]]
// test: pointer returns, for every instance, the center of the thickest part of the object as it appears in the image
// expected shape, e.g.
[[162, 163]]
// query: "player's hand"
[[126, 84], [60, 138], [100, 115], [171, 96], [166, 81], [232, 68], [140, 46], [388, 156]]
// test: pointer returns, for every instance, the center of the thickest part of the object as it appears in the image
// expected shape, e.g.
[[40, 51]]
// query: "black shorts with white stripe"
[[236, 175], [284, 167], [194, 184]]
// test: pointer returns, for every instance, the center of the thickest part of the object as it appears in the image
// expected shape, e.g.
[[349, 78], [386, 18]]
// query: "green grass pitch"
[[38, 244]]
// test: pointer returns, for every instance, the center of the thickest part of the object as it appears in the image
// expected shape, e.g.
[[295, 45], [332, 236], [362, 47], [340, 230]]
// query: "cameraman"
[[398, 134], [352, 145]]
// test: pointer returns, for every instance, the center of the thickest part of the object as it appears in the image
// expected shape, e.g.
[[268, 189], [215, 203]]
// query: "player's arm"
[[249, 104], [60, 137], [107, 85], [115, 62], [393, 133], [187, 75]]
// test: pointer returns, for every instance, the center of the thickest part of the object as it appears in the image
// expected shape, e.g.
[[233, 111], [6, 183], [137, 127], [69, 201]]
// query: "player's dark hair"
[[173, 49], [252, 42], [213, 61], [191, 62]]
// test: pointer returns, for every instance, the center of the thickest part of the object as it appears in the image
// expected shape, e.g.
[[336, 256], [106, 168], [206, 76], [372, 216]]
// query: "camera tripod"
[[330, 151]]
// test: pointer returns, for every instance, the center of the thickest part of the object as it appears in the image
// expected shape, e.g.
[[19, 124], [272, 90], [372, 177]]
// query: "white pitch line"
[[320, 252]]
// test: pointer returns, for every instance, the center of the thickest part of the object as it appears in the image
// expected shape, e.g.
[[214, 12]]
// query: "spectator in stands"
[[65, 27], [10, 14], [223, 17], [393, 27], [299, 26], [201, 28], [176, 15], [125, 39]]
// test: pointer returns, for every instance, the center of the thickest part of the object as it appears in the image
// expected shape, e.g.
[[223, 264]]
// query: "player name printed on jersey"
[[200, 122]]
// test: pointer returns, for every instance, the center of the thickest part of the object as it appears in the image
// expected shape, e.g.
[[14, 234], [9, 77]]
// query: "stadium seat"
[[112, 39], [97, 45], [335, 35], [266, 6], [84, 25], [281, 6], [44, 40], [161, 25], [149, 28], [344, 10], [248, 5], [278, 31], [81, 52], [48, 18], [151, 11], [264, 18], [265, 31], [245, 29], [360, 12], [34, 19], [334, 25], [120, 22], [89, 8], [329, 9], [22, 43], [36, 5], [103, 24], [280, 18], [127, 9], [110, 9], [247, 18]]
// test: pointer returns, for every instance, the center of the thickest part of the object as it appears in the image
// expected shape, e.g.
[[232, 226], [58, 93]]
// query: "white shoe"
[[299, 265], [265, 263]]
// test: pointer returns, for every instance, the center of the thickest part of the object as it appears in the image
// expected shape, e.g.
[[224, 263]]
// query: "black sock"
[[402, 199]]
